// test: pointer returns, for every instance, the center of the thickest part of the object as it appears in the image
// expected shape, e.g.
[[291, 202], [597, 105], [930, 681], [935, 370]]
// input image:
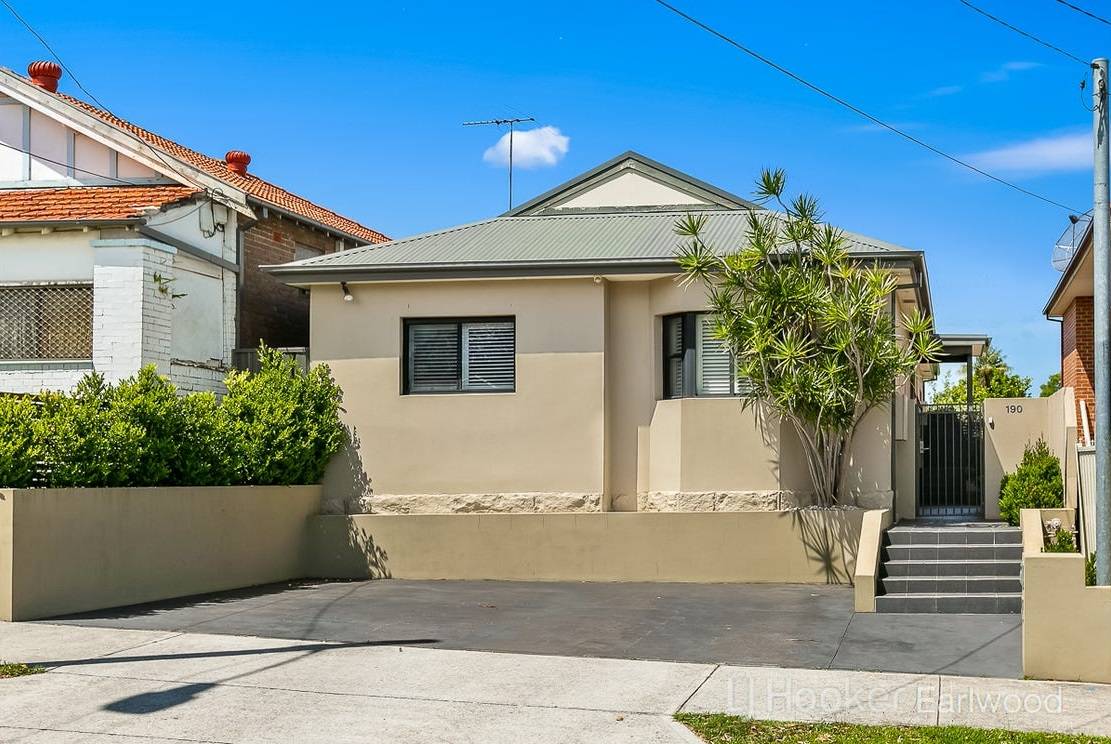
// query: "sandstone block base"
[[473, 503]]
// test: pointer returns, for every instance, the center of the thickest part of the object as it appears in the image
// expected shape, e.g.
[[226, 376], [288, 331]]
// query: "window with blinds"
[[695, 362], [445, 356]]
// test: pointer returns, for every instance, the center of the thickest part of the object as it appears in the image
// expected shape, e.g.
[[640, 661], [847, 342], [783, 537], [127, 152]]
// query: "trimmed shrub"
[[1036, 484], [279, 426], [284, 424], [204, 455], [17, 446], [82, 443], [1090, 570]]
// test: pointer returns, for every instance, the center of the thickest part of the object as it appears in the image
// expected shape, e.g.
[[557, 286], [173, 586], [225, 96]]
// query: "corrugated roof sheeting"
[[610, 236]]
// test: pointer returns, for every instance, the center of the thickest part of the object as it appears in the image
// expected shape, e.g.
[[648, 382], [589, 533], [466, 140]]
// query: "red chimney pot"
[[45, 74], [237, 161]]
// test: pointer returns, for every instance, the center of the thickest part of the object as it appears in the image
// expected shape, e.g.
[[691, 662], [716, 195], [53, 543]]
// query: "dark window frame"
[[458, 322], [690, 360]]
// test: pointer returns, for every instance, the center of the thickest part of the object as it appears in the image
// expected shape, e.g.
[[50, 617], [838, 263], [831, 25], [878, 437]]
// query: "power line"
[[1078, 9], [858, 111], [1020, 32], [68, 166], [46, 45]]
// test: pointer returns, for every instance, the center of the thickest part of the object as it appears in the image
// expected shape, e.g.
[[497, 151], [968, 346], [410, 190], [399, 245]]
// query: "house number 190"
[[1014, 409]]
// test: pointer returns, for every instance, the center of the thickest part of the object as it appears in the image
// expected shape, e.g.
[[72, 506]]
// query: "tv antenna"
[[501, 123]]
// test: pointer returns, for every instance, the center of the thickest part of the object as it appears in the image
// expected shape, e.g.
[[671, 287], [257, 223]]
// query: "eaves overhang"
[[305, 274]]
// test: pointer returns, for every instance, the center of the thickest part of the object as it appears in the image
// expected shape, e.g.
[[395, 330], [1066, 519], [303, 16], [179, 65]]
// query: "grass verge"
[[18, 670], [722, 729]]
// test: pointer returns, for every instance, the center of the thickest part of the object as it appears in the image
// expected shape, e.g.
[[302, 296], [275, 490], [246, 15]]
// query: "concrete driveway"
[[747, 624]]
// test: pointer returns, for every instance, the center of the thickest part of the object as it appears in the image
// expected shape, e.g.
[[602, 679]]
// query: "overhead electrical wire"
[[67, 166], [213, 193], [1020, 32], [1091, 15], [859, 111]]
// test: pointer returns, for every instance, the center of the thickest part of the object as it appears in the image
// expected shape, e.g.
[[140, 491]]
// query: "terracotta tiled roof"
[[258, 188], [87, 202]]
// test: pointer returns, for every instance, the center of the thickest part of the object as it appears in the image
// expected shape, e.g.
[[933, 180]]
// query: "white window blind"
[[715, 366], [433, 357], [695, 362], [488, 355]]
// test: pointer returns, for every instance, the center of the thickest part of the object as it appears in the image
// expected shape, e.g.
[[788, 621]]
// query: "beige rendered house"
[[549, 360]]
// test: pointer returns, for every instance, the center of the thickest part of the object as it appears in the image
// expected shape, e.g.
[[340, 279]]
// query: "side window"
[[695, 362], [465, 355]]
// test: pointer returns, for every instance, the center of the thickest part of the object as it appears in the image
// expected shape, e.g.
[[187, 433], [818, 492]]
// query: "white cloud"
[[945, 90], [1003, 72], [532, 148], [1062, 152]]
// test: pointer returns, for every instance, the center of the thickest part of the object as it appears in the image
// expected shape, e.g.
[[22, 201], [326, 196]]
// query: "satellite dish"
[[1069, 242], [1062, 256]]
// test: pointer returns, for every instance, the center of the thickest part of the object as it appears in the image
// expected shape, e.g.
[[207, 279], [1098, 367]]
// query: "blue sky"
[[359, 106]]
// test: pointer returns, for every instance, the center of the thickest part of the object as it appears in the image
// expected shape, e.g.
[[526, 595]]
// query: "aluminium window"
[[696, 364], [50, 321], [464, 355]]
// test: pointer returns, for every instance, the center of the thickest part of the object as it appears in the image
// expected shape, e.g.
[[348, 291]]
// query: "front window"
[[695, 362], [459, 356], [52, 322]]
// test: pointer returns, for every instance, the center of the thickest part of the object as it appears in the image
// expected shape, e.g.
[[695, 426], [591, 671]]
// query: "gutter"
[[53, 224], [322, 274]]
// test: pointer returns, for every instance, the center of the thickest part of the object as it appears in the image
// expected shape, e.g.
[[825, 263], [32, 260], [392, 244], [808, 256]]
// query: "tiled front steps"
[[971, 569]]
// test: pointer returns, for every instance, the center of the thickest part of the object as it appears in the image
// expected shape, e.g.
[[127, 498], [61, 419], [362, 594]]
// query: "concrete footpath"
[[110, 685]]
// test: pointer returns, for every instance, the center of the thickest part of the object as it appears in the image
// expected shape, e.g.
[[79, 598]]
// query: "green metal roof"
[[569, 238]]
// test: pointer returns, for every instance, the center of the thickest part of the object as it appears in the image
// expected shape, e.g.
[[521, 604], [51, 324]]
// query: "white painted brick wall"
[[132, 322], [191, 379], [31, 378]]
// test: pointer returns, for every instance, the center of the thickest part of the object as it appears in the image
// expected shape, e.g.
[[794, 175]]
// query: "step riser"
[[955, 568], [956, 604], [953, 552], [951, 585], [953, 537]]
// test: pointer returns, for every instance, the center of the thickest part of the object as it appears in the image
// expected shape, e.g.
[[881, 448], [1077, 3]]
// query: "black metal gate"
[[950, 461]]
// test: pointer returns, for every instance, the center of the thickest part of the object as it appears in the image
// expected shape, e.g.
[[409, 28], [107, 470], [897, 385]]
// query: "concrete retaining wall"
[[72, 550], [809, 546], [1065, 624]]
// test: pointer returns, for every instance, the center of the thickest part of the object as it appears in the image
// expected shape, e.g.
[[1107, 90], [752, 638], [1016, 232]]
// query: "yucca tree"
[[812, 329]]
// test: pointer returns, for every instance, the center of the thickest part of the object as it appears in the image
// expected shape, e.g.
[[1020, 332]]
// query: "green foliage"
[[1051, 385], [719, 728], [992, 377], [17, 449], [1036, 484], [284, 424], [1061, 542], [1090, 570], [279, 426], [809, 327], [18, 670], [83, 443]]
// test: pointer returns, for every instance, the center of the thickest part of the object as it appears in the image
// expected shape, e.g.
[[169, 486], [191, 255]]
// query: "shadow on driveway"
[[749, 624]]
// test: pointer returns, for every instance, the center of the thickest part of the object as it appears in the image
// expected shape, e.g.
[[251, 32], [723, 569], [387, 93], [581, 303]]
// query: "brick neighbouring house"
[[1071, 305], [119, 247]]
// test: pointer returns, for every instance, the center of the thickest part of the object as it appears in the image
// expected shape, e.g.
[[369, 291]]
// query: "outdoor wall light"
[[347, 296]]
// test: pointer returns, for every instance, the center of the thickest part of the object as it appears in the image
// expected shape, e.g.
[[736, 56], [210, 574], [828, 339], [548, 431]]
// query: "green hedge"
[[277, 426], [1036, 484]]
